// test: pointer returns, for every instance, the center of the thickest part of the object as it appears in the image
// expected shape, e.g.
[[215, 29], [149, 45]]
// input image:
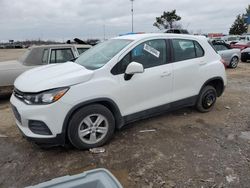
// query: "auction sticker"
[[151, 50]]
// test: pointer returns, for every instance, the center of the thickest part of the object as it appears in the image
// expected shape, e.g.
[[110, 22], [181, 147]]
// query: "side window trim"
[[169, 57], [54, 49], [171, 50], [47, 58]]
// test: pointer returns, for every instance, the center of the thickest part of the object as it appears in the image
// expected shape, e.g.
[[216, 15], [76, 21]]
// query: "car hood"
[[52, 76], [246, 50]]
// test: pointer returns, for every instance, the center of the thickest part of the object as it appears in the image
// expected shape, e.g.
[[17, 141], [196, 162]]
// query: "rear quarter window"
[[81, 50], [199, 50], [45, 56]]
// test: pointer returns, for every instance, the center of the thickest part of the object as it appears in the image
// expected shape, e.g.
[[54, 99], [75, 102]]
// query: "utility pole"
[[132, 12]]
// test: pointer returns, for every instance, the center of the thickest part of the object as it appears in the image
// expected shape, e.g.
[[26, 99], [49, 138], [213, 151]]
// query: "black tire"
[[80, 115], [206, 99], [234, 62], [244, 60], [244, 56]]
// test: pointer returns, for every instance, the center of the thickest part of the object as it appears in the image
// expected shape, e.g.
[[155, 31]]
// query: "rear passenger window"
[[186, 49]]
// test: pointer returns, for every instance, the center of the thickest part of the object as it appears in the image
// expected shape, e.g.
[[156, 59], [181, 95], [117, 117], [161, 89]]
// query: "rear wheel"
[[91, 126], [207, 99], [234, 62]]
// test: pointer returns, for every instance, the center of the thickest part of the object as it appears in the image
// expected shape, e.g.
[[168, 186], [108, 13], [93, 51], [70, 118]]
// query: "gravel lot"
[[187, 148]]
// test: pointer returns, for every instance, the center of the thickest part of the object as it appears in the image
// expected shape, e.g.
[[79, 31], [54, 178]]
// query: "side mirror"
[[132, 69]]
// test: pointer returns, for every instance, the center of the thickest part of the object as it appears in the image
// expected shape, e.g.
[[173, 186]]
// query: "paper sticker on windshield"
[[151, 50]]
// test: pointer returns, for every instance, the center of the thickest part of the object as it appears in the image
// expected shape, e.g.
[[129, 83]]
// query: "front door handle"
[[165, 74]]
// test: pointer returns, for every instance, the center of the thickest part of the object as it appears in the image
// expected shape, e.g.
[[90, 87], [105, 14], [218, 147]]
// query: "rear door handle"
[[202, 63]]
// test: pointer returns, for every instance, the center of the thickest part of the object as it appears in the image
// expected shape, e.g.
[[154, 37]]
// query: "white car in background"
[[116, 82], [36, 56], [231, 39]]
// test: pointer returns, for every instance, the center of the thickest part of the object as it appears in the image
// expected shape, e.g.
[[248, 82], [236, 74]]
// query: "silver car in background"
[[231, 56], [37, 56]]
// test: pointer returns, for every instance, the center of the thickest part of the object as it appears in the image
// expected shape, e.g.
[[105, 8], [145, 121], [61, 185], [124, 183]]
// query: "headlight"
[[46, 97]]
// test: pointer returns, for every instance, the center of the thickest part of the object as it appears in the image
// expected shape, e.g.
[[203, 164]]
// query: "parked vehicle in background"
[[245, 55], [231, 39], [241, 45], [36, 56], [245, 38], [230, 56], [116, 82], [177, 31]]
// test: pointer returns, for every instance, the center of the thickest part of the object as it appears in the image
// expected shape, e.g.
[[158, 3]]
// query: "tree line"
[[169, 20]]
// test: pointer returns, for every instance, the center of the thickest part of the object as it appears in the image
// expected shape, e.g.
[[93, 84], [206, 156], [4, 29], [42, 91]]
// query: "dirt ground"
[[187, 148], [10, 54]]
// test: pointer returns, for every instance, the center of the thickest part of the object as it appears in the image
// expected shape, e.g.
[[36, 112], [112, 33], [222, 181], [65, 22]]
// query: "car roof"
[[152, 35], [62, 46]]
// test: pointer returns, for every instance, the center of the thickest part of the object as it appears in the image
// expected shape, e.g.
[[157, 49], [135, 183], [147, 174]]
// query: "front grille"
[[18, 94], [16, 113]]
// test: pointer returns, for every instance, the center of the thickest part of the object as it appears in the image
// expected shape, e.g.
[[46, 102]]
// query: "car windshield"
[[232, 38], [99, 55]]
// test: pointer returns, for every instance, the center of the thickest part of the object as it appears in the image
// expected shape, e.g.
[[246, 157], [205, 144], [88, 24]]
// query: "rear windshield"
[[33, 56], [25, 55], [211, 44]]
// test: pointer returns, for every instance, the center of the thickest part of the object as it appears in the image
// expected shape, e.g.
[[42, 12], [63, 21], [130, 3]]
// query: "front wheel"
[[207, 99], [91, 126], [234, 62]]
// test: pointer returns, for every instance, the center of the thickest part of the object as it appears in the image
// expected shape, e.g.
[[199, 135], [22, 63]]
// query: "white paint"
[[154, 87]]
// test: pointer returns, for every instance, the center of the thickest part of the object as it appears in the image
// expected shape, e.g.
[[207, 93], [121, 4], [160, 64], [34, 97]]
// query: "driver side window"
[[150, 54]]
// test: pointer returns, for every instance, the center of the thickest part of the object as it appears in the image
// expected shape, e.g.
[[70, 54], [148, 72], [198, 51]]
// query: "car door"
[[61, 55], [151, 88], [188, 59], [224, 52]]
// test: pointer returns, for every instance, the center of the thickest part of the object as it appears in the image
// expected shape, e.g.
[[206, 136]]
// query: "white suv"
[[116, 82]]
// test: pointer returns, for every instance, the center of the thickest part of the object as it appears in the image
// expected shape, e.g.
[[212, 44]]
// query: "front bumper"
[[52, 115]]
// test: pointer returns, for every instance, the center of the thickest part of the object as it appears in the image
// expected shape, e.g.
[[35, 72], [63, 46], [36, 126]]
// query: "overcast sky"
[[67, 19]]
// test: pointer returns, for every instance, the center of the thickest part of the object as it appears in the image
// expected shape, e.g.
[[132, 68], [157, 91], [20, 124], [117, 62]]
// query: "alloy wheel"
[[93, 128]]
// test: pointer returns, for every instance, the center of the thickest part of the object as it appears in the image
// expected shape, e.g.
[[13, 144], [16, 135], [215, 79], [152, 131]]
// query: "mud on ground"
[[187, 148]]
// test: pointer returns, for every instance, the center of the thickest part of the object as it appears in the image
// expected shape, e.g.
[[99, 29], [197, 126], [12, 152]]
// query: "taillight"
[[224, 63]]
